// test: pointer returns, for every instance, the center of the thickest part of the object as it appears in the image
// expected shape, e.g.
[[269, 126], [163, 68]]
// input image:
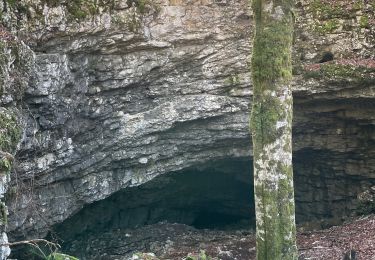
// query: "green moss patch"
[[274, 63], [364, 22], [329, 9], [327, 26], [59, 256], [341, 72], [5, 165], [329, 15], [3, 214], [81, 9], [201, 256], [264, 117], [13, 79], [10, 132], [232, 80]]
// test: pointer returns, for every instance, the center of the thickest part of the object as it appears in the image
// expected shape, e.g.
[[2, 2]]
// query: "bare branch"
[[32, 242]]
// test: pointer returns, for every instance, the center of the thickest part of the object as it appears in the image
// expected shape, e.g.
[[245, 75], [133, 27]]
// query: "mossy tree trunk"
[[271, 127]]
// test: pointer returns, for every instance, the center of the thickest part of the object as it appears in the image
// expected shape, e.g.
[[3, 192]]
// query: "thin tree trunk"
[[271, 127]]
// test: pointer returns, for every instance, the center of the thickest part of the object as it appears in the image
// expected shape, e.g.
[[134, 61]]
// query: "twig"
[[31, 242], [34, 243]]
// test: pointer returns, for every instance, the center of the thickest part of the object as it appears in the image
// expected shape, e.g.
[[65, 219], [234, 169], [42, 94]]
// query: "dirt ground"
[[355, 238], [164, 241]]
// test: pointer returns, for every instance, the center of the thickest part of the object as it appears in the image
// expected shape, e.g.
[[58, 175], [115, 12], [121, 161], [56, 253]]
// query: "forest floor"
[[352, 240], [355, 238], [166, 241]]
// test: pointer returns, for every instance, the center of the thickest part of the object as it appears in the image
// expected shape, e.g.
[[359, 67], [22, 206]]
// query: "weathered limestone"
[[16, 60], [123, 96]]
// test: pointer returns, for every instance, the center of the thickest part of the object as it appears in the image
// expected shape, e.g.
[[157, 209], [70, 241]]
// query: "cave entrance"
[[214, 196], [217, 195]]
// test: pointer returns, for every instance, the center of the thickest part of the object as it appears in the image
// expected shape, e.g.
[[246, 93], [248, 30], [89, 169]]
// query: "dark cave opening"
[[217, 195], [212, 220]]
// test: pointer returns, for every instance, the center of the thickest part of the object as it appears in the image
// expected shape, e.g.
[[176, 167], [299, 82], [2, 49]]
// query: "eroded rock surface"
[[127, 94]]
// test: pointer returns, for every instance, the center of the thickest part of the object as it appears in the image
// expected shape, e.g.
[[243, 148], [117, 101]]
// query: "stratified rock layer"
[[122, 96]]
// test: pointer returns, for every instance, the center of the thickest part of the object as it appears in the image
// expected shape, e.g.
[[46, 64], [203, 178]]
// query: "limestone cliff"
[[124, 91]]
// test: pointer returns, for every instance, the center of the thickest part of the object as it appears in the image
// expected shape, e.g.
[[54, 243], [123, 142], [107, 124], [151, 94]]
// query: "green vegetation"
[[145, 256], [77, 9], [358, 5], [270, 124], [345, 72], [327, 13], [363, 22], [326, 10], [272, 64], [142, 5], [130, 21], [275, 63], [366, 202], [21, 59], [11, 3], [327, 26], [202, 256], [264, 117], [5, 165], [150, 256], [47, 250], [366, 208], [59, 256], [232, 80], [81, 9], [3, 214], [51, 3], [133, 20], [10, 132], [16, 5], [3, 62]]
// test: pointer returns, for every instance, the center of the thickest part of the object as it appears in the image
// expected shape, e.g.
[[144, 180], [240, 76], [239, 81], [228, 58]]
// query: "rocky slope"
[[122, 93], [355, 238]]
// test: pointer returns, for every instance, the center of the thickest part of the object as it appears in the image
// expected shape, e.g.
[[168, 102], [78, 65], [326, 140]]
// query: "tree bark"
[[271, 128]]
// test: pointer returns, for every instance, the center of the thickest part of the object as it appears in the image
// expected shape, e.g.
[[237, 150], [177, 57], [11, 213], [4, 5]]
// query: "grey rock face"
[[113, 104], [13, 80]]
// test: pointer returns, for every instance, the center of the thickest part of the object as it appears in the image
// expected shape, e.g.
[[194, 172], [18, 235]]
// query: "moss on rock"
[[5, 165], [326, 9], [342, 72], [10, 132], [59, 256], [327, 26], [364, 21], [3, 214]]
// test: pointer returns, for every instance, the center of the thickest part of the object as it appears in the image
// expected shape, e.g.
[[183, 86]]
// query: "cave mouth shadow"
[[216, 195]]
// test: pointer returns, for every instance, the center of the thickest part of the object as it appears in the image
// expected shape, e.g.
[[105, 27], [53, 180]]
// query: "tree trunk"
[[271, 127]]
